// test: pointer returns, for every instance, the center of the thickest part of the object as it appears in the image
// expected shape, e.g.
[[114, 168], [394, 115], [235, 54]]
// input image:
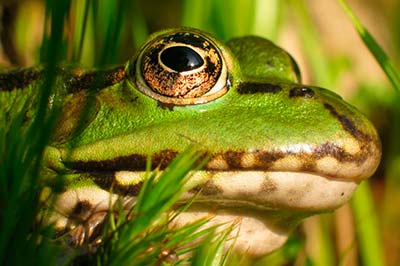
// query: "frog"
[[279, 150]]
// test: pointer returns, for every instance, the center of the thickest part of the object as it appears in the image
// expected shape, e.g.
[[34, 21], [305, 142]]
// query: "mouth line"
[[273, 190], [294, 156], [244, 211], [230, 204], [204, 182], [324, 165]]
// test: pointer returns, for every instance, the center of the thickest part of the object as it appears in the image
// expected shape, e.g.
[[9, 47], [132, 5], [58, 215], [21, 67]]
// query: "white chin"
[[254, 233], [265, 207]]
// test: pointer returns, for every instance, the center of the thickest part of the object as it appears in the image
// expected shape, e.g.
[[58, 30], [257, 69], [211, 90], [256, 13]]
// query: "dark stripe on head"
[[332, 150], [134, 162], [262, 160], [268, 158], [75, 81], [107, 182], [19, 79], [347, 124], [250, 88], [233, 159]]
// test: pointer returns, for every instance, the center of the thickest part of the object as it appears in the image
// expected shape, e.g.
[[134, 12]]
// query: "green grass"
[[376, 50], [370, 238], [142, 239], [102, 33], [139, 241], [22, 240]]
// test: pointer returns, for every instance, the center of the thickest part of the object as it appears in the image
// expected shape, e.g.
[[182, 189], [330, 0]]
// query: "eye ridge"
[[181, 58], [189, 39]]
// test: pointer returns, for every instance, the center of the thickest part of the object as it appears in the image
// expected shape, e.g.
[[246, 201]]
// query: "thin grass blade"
[[376, 50]]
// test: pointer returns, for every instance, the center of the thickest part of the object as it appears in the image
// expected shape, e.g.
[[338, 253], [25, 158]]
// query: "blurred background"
[[329, 52]]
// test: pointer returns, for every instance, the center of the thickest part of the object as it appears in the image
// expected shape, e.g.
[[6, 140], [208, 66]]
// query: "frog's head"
[[280, 150]]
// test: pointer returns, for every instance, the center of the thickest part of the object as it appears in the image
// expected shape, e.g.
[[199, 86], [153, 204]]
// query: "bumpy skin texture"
[[280, 150]]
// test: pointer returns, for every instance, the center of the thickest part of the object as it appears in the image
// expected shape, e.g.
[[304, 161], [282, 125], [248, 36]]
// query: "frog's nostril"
[[302, 91]]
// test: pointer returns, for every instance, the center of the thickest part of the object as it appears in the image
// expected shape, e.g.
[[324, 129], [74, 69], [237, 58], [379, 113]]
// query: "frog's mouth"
[[343, 159], [257, 189], [260, 180]]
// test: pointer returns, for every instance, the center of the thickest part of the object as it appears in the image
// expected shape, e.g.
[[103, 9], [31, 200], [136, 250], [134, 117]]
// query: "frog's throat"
[[258, 190], [263, 206]]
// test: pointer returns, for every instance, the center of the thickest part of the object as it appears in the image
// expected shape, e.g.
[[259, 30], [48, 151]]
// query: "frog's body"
[[279, 150]]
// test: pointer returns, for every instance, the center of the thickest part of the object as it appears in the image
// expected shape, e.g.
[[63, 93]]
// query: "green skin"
[[265, 113]]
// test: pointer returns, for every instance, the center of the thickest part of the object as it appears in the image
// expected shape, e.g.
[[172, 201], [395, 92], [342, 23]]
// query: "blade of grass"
[[211, 251], [370, 242], [322, 252], [24, 143], [311, 43], [366, 218], [139, 26], [163, 193], [157, 195], [195, 13], [78, 33], [375, 49], [113, 33], [267, 17], [243, 13], [216, 16], [287, 255]]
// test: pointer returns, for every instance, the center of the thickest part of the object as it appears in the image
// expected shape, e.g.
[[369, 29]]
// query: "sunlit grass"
[[143, 236]]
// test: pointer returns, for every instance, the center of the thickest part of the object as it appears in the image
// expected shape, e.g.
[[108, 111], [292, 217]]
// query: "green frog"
[[279, 150]]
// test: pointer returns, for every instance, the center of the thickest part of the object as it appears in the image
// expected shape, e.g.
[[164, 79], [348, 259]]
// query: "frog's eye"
[[181, 68]]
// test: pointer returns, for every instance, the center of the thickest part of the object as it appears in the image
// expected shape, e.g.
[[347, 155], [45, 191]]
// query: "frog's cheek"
[[79, 110]]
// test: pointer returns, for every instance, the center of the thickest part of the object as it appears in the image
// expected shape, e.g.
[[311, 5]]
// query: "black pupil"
[[181, 58]]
